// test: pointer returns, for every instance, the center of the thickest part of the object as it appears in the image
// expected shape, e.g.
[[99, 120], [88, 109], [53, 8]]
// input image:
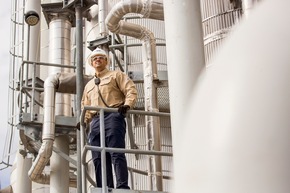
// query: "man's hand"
[[78, 126], [123, 109]]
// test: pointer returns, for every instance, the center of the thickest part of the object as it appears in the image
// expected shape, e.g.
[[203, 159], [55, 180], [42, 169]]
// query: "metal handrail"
[[104, 149], [25, 87]]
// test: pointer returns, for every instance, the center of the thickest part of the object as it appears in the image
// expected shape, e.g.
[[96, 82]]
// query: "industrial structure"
[[187, 90]]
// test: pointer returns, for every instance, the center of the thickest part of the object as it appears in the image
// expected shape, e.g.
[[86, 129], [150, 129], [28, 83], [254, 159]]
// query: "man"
[[109, 89]]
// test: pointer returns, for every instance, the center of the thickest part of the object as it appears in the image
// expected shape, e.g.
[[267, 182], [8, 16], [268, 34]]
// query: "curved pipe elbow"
[[148, 9], [36, 172], [52, 81]]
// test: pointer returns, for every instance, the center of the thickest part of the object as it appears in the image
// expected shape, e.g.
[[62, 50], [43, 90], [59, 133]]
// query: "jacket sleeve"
[[86, 102], [128, 88]]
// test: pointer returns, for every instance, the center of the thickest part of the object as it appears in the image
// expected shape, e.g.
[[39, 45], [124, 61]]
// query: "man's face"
[[99, 62]]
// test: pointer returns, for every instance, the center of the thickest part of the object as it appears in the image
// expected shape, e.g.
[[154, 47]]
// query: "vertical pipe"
[[184, 45], [113, 62], [59, 52], [59, 174], [26, 69], [23, 183], [79, 86], [91, 32], [34, 53], [125, 53], [103, 12], [32, 114], [151, 104]]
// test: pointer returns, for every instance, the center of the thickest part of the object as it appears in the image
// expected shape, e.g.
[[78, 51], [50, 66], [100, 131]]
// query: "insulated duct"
[[147, 8], [152, 9], [60, 82], [36, 172]]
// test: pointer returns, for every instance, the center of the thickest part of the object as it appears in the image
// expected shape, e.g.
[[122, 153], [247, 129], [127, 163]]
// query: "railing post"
[[103, 152]]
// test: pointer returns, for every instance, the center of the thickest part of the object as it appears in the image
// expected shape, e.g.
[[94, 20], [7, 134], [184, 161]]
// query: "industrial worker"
[[112, 89]]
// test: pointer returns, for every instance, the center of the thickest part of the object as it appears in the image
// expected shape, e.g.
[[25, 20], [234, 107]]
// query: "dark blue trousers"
[[115, 130]]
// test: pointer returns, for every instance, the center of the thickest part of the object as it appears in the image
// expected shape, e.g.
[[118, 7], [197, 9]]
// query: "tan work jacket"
[[116, 89]]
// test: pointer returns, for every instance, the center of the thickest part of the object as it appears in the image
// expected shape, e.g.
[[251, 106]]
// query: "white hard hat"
[[97, 51]]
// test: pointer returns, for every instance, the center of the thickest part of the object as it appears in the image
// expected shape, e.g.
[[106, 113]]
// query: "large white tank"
[[237, 132]]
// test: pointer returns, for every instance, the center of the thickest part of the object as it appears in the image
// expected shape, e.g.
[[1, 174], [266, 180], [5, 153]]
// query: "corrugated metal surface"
[[141, 162], [133, 62], [135, 54], [218, 16], [141, 182]]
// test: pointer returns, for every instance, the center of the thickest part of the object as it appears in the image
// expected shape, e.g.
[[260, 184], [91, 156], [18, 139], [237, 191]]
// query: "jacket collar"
[[100, 74]]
